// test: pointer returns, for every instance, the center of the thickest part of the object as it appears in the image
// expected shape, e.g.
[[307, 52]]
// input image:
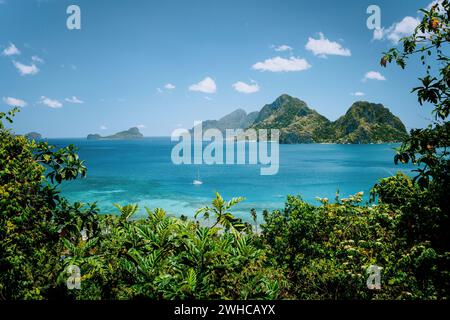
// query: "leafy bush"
[[30, 210], [302, 251], [163, 257], [327, 250], [428, 147]]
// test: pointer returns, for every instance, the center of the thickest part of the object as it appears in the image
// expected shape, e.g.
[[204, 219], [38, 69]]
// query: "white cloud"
[[167, 87], [283, 47], [26, 69], [207, 85], [322, 47], [11, 50], [103, 127], [50, 102], [398, 30], [74, 100], [208, 98], [279, 64], [374, 75], [14, 102], [141, 126], [403, 29], [246, 88], [37, 59], [358, 94]]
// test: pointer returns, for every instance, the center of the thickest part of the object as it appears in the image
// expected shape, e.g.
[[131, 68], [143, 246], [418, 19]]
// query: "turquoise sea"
[[142, 172]]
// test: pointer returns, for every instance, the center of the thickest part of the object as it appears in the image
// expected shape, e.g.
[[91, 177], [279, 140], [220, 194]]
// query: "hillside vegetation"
[[364, 122], [53, 249]]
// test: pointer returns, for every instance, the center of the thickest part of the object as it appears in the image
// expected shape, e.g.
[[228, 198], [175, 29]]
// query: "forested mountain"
[[364, 122]]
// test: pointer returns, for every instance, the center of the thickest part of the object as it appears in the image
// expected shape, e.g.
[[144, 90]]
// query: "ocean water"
[[142, 172]]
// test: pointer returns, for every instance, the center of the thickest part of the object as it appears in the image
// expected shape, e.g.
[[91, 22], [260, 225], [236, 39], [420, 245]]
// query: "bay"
[[141, 171]]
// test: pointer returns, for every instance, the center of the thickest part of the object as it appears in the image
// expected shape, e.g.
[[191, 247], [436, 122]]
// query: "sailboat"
[[197, 181]]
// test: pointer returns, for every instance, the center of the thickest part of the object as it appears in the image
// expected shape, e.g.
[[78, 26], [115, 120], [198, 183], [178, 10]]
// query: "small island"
[[33, 135], [130, 134]]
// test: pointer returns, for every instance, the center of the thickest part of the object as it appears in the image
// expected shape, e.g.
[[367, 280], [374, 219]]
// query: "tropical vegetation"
[[51, 248]]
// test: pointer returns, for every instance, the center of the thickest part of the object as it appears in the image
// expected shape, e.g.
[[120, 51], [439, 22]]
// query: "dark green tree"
[[33, 216], [428, 147]]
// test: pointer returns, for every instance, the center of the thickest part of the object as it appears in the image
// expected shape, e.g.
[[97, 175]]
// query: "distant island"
[[33, 135], [130, 134], [238, 119], [363, 123]]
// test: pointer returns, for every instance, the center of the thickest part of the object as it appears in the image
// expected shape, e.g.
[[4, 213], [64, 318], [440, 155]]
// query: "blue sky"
[[161, 65]]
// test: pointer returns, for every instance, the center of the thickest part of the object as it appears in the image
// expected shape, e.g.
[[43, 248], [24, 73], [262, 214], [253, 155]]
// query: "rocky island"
[[33, 135], [130, 134], [363, 123]]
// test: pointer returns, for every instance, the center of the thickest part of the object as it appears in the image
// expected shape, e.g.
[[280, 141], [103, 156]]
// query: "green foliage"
[[220, 209], [302, 251], [428, 147], [325, 252], [8, 116], [422, 218], [31, 215], [63, 164], [164, 257], [43, 236]]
